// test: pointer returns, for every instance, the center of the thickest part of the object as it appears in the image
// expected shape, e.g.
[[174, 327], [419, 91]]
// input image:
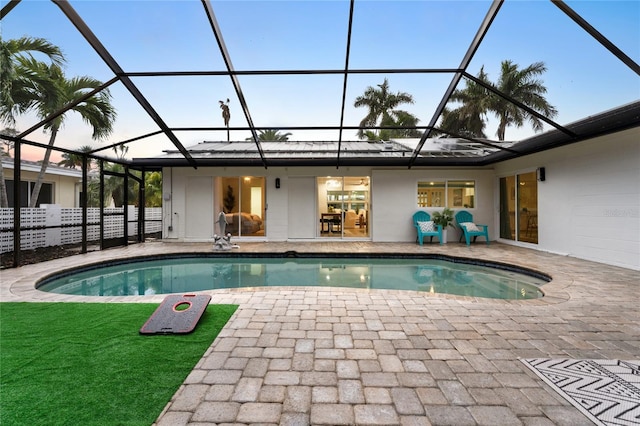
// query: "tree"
[[4, 200], [93, 191], [469, 119], [403, 119], [523, 86], [15, 75], [46, 99], [114, 185], [121, 151], [72, 160], [153, 189], [382, 106], [477, 101], [271, 135]]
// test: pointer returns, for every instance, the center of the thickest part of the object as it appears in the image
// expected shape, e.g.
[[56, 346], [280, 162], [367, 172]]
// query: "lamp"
[[541, 174]]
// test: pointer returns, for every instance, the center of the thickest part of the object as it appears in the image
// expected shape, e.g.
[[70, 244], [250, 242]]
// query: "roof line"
[[86, 32], [215, 27], [473, 47]]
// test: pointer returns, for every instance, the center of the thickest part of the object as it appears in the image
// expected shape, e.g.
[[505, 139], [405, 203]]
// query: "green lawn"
[[86, 363]]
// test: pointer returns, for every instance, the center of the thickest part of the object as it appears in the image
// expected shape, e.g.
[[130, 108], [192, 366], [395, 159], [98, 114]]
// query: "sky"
[[582, 77]]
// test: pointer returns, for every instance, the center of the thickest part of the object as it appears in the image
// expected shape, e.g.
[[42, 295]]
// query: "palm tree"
[[14, 76], [93, 191], [469, 119], [404, 119], [523, 86], [382, 106], [271, 135], [114, 185], [75, 160], [4, 200], [477, 101], [96, 111], [121, 151]]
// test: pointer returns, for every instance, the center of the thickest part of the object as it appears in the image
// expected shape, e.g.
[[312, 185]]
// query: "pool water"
[[193, 274]]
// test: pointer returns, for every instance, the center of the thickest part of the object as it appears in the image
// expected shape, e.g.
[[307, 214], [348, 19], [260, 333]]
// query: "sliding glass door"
[[242, 199], [519, 208], [343, 207]]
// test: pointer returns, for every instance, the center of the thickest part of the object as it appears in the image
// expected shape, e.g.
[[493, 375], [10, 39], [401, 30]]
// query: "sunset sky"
[[582, 78]]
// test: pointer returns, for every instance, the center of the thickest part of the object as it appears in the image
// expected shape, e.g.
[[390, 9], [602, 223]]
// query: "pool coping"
[[22, 286]]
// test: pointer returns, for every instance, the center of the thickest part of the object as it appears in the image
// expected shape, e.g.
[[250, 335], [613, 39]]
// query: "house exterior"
[[61, 185], [581, 199]]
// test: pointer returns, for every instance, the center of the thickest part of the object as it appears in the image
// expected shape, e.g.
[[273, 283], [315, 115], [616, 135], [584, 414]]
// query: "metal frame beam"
[[473, 47], [344, 84], [8, 7], [519, 104], [217, 32], [86, 32], [67, 107], [597, 35]]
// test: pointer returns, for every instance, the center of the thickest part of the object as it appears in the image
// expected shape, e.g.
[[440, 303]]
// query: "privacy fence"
[[52, 225]]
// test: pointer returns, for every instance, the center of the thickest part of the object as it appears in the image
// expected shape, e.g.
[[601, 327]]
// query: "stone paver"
[[336, 356]]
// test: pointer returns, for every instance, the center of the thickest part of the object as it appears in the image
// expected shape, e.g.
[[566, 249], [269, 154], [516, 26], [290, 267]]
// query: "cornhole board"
[[177, 314]]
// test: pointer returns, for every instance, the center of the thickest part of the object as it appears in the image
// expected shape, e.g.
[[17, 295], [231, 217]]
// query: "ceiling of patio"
[[298, 66]]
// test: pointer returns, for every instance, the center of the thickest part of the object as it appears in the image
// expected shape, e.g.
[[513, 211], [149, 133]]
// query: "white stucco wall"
[[395, 200], [66, 183], [589, 204]]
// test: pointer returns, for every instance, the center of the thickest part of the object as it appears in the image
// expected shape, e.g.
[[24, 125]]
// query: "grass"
[[86, 363]]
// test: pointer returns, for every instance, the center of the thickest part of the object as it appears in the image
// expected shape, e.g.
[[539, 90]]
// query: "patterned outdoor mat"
[[606, 391]]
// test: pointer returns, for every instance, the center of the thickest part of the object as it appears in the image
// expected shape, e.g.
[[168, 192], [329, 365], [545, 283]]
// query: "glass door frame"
[[518, 207], [343, 206]]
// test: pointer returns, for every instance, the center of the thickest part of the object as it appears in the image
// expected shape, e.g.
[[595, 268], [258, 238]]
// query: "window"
[[45, 196], [461, 194], [452, 193]]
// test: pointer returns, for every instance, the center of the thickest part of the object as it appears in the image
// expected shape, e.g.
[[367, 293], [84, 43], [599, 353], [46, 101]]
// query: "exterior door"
[[302, 207], [519, 208], [199, 208]]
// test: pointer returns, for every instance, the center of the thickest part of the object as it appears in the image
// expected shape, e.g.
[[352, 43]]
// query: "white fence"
[[60, 226]]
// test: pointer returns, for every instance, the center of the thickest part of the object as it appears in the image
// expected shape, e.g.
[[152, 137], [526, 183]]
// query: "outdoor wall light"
[[277, 182], [541, 174]]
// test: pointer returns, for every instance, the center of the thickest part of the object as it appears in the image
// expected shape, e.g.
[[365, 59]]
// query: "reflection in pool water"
[[183, 275]]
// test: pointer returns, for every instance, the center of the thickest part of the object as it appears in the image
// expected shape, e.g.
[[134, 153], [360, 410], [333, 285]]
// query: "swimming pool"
[[193, 273]]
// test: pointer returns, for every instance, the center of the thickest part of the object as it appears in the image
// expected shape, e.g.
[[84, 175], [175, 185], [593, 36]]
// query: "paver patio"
[[332, 356]]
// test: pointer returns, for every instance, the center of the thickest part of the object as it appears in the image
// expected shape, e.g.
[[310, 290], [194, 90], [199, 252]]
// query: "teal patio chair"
[[469, 228], [425, 227]]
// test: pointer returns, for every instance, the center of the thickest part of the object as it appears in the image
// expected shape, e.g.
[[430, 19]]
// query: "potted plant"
[[444, 218]]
